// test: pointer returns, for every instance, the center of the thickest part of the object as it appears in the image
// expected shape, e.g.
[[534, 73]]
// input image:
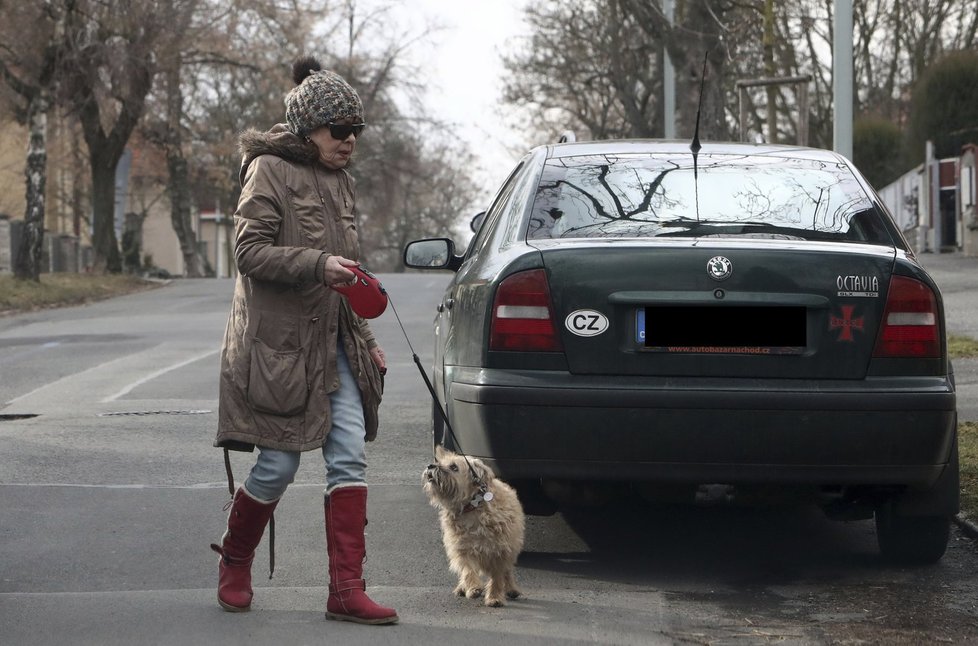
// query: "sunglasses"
[[341, 131]]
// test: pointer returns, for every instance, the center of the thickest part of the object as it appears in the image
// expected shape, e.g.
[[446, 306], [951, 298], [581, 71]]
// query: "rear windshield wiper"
[[691, 228]]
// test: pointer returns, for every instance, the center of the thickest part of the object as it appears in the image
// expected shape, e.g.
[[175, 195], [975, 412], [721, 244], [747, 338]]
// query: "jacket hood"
[[279, 141]]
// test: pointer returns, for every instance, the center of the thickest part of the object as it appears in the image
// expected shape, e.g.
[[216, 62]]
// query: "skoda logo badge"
[[719, 268]]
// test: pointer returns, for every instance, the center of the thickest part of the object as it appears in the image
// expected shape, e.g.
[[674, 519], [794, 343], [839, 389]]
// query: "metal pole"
[[932, 174], [803, 114], [668, 79], [842, 78], [742, 96]]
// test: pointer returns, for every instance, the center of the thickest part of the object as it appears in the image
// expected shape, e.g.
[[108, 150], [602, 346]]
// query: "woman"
[[299, 370]]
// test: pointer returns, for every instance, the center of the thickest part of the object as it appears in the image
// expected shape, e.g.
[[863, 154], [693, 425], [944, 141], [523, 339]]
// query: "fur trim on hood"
[[278, 141]]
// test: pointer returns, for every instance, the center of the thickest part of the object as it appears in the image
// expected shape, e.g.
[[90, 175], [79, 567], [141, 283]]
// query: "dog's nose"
[[432, 466]]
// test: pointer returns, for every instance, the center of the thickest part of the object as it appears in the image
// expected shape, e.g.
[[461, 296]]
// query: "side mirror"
[[476, 222], [432, 253]]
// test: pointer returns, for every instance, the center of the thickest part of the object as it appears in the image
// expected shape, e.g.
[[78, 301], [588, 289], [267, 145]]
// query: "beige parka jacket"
[[278, 360]]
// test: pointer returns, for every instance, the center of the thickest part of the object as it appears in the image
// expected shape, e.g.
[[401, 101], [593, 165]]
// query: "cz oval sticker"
[[586, 322]]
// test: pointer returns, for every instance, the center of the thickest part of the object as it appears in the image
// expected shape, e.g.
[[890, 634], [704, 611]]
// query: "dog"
[[482, 525]]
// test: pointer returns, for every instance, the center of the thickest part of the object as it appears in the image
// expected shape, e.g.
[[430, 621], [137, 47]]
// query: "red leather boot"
[[246, 524], [346, 516]]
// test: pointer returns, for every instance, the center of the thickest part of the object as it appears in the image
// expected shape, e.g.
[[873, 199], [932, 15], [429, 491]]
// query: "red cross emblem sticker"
[[846, 323]]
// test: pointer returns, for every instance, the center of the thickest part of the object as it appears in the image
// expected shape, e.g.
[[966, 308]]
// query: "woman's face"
[[334, 153]]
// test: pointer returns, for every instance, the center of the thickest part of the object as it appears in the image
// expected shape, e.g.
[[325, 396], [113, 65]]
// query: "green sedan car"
[[631, 314]]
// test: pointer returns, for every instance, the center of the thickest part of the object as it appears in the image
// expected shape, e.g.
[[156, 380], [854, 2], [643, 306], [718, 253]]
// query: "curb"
[[968, 528]]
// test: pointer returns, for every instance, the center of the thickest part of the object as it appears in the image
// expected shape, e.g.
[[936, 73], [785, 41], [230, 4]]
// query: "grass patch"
[[968, 450], [961, 347], [61, 289]]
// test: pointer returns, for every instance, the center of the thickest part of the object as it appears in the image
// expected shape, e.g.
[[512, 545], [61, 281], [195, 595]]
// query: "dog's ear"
[[481, 471], [441, 453]]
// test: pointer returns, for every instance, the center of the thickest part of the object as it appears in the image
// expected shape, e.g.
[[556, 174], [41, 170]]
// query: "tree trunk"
[[104, 241], [128, 88], [695, 33], [178, 181], [28, 263], [178, 184], [132, 242]]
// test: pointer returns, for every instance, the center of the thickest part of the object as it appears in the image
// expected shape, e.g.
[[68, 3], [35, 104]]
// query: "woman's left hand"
[[377, 354]]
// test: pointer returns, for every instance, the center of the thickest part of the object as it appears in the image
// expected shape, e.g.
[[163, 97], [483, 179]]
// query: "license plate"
[[722, 329]]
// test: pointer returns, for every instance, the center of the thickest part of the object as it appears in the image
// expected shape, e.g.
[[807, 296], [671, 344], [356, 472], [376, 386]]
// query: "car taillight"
[[910, 321], [522, 317]]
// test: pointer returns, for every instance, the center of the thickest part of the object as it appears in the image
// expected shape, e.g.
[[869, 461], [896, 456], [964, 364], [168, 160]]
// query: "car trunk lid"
[[746, 309]]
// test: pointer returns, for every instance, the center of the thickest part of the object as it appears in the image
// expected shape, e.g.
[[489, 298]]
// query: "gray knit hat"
[[319, 97]]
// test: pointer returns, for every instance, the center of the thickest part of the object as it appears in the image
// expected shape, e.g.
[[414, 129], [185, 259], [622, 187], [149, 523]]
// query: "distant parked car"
[[632, 313]]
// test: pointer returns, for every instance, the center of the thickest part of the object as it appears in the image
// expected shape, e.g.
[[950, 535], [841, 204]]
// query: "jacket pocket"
[[277, 383]]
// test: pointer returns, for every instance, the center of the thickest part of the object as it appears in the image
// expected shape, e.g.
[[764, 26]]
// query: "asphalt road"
[[111, 493]]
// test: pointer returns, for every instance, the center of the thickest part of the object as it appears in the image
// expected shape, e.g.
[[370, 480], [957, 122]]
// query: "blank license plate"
[[722, 328]]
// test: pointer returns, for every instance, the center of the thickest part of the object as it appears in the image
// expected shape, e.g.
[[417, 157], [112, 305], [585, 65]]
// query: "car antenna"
[[695, 145]]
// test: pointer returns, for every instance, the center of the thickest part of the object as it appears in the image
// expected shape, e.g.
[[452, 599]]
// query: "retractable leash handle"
[[367, 296]]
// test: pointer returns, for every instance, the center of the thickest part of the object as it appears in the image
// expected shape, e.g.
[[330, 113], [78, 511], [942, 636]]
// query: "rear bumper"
[[882, 431]]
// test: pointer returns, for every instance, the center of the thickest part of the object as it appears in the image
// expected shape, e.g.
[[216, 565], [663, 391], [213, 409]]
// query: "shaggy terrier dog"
[[482, 525]]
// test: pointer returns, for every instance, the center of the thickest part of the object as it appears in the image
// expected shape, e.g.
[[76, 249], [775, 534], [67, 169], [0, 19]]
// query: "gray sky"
[[465, 64]]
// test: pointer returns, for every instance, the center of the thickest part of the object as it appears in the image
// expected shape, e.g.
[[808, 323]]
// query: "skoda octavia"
[[632, 313]]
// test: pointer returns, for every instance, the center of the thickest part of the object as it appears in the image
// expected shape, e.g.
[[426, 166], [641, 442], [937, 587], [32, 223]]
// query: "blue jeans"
[[344, 450]]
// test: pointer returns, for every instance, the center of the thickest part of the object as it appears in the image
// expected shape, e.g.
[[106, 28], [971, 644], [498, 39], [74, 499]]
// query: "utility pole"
[[668, 78], [772, 90], [842, 78]]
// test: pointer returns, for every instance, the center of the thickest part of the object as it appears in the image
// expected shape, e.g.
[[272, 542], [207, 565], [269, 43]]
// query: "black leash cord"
[[431, 389]]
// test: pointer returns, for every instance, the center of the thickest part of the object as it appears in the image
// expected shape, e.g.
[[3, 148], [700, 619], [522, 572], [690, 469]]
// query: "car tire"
[[438, 435], [911, 540]]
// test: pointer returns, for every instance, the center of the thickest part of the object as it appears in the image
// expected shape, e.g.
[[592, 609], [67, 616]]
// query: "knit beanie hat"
[[319, 97]]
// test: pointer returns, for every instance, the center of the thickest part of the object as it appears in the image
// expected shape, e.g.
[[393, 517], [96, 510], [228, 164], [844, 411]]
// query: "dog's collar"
[[482, 496]]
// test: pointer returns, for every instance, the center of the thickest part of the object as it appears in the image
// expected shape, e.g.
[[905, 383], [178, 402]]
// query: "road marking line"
[[65, 378], [139, 382]]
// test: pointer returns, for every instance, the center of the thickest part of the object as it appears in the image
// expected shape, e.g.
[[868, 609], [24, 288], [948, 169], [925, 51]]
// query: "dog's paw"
[[471, 593], [514, 593], [494, 602]]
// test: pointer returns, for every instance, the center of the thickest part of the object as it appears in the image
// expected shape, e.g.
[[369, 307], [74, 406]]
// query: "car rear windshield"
[[722, 195]]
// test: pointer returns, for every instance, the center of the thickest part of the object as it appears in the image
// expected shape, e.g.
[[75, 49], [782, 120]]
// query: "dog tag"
[[487, 496]]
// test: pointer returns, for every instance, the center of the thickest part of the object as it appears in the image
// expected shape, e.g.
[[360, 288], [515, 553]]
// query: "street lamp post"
[[668, 79], [842, 78]]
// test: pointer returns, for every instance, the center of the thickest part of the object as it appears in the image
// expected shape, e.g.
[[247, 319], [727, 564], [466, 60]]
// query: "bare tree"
[[180, 16], [412, 178], [207, 42], [714, 32], [894, 42], [587, 65], [32, 73], [114, 61], [567, 69], [598, 64]]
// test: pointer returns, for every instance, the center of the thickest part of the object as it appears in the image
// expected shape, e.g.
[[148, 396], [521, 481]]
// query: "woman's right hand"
[[335, 273]]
